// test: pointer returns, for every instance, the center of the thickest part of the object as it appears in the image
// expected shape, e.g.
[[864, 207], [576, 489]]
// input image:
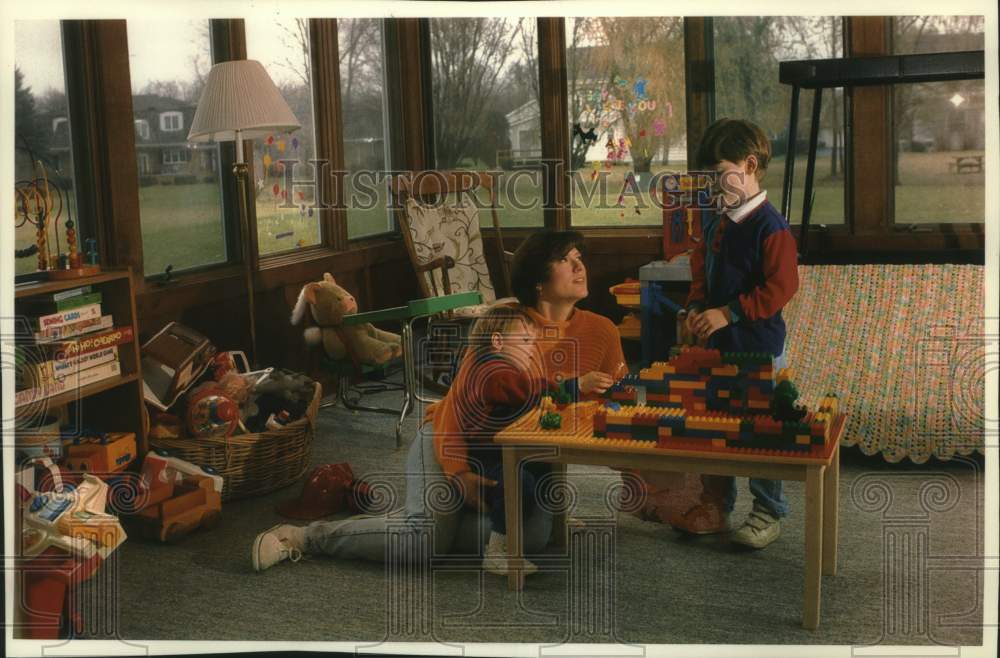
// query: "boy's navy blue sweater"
[[750, 267]]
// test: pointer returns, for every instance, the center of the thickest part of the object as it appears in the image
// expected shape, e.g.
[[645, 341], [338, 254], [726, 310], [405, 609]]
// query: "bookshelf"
[[114, 404]]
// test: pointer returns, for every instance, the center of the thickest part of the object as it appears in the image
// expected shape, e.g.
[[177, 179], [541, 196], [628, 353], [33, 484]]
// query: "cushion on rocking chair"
[[451, 230]]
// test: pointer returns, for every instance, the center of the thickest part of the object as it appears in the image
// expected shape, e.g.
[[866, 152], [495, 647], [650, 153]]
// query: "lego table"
[[524, 440]]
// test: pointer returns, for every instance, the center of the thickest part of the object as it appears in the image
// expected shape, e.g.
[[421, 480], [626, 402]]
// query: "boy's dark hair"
[[532, 263], [734, 140]]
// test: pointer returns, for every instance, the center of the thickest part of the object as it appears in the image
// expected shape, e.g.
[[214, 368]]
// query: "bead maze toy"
[[702, 399], [40, 202]]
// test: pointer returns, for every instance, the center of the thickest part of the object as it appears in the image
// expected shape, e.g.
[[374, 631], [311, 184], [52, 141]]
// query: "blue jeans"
[[489, 464], [766, 493], [432, 511]]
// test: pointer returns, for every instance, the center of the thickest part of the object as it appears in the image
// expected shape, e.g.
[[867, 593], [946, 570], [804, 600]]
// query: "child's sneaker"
[[282, 542], [496, 561], [760, 528]]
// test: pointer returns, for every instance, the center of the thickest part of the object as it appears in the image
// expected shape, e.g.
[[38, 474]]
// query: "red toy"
[[177, 497]]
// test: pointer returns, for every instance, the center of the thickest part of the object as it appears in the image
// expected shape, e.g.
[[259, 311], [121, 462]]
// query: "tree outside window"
[[939, 128], [180, 195], [42, 132], [287, 218], [627, 116], [487, 116], [366, 149], [747, 53]]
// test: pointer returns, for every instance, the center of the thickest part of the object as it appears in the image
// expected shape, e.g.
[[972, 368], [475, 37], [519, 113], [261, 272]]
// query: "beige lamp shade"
[[240, 96]]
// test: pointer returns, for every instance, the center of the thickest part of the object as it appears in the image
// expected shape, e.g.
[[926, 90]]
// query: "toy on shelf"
[[37, 205], [177, 497], [99, 453]]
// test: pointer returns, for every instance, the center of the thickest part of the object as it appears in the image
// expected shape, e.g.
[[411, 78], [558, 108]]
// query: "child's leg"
[[719, 489], [494, 496], [769, 495]]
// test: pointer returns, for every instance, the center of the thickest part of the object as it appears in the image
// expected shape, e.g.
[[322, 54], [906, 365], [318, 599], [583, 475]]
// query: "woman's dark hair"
[[532, 264]]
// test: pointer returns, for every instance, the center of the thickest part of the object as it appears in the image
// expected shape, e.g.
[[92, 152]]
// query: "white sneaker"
[[759, 529], [282, 542], [496, 560]]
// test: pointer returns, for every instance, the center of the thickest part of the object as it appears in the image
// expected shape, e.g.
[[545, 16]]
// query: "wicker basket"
[[253, 464]]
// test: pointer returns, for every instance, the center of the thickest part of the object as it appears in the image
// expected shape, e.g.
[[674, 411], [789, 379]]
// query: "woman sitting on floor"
[[549, 278]]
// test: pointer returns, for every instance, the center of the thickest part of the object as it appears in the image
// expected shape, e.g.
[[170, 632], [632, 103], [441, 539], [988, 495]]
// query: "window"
[[42, 135], [172, 121], [142, 129], [747, 53], [366, 148], [939, 128], [175, 156], [180, 199], [286, 216], [487, 116], [627, 120]]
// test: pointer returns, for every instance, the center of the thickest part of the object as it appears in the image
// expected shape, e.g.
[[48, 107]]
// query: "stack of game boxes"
[[74, 344]]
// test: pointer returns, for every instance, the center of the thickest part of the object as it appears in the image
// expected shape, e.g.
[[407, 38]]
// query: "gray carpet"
[[905, 573]]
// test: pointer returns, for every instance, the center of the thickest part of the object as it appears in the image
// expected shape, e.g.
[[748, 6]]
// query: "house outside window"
[[57, 122], [171, 121], [144, 168], [142, 129]]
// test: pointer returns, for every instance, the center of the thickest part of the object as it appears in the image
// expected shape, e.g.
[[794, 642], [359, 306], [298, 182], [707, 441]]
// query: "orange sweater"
[[584, 343]]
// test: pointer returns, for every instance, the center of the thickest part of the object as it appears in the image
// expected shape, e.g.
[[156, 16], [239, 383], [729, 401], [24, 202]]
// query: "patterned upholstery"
[[902, 346], [452, 230]]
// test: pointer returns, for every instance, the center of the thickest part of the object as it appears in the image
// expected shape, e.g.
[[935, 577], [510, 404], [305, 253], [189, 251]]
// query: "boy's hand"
[[688, 335], [709, 322], [470, 485], [595, 382]]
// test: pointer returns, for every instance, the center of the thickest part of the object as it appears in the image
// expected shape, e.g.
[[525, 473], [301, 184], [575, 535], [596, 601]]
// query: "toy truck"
[[178, 497]]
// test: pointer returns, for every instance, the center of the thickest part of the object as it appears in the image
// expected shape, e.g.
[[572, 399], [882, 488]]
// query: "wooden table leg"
[[831, 504], [559, 518], [512, 509], [814, 546]]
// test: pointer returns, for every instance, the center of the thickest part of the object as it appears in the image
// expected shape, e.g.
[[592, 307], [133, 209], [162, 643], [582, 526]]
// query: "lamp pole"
[[242, 171]]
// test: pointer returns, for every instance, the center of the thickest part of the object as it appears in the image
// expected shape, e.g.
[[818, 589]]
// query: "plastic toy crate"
[[627, 293]]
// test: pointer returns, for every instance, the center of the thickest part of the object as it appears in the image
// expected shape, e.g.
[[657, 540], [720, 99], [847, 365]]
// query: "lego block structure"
[[705, 399]]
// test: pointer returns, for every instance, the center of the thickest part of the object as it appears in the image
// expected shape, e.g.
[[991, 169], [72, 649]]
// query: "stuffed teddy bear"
[[328, 303]]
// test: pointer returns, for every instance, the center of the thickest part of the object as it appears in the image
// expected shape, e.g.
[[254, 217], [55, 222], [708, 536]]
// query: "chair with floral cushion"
[[439, 219]]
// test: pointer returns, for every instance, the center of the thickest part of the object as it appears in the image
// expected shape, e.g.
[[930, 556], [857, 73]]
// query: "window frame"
[[96, 58], [166, 123], [142, 129]]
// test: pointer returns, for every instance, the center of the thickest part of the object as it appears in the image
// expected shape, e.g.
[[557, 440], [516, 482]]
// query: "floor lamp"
[[240, 101]]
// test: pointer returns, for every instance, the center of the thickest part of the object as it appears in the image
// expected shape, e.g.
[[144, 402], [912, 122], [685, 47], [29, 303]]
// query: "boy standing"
[[744, 271]]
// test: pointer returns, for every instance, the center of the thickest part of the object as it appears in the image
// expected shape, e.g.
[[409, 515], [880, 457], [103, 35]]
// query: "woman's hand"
[[595, 382], [707, 323], [470, 484]]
